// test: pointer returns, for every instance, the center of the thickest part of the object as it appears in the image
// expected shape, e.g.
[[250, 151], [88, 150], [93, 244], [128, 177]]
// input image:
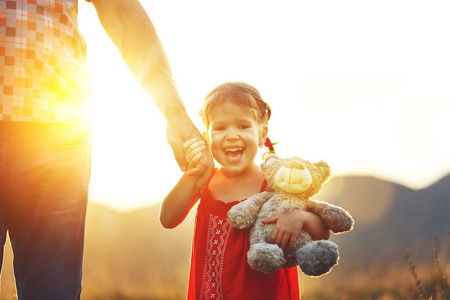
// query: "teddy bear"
[[293, 181]]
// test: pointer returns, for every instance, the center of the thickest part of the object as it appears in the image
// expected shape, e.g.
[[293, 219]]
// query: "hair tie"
[[268, 143], [269, 111]]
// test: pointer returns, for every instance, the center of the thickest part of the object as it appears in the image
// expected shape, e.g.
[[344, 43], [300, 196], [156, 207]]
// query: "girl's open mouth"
[[234, 154]]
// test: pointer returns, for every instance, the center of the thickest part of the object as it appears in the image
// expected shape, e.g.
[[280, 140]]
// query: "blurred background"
[[363, 86]]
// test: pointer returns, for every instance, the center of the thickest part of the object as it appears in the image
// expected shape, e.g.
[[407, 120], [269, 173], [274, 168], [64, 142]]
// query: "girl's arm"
[[288, 227], [177, 204]]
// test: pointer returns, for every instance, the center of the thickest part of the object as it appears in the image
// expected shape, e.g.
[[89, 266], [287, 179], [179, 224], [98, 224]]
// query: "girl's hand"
[[288, 227], [193, 151]]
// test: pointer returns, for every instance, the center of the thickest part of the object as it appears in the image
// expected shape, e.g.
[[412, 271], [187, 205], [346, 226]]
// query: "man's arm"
[[131, 30]]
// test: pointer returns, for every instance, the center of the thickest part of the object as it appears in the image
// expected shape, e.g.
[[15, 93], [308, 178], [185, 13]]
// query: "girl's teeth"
[[233, 149]]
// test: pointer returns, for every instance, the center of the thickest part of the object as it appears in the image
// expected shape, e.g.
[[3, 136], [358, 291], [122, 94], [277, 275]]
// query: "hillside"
[[131, 254], [389, 218]]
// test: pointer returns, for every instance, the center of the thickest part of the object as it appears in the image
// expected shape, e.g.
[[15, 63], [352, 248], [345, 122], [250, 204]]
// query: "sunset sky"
[[362, 85]]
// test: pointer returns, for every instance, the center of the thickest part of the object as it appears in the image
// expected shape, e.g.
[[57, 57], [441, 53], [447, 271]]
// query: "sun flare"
[[377, 105]]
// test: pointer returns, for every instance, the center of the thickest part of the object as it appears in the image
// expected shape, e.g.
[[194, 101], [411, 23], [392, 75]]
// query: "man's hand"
[[180, 130]]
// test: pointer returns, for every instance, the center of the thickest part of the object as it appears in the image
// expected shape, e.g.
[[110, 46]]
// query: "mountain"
[[132, 254], [389, 218]]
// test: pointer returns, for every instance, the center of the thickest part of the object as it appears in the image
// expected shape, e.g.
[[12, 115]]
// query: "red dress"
[[219, 268]]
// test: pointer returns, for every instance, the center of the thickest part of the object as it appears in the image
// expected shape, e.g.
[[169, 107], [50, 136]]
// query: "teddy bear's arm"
[[244, 214], [336, 218]]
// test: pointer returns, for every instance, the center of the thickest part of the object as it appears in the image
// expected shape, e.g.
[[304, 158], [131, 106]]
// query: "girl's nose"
[[232, 134], [232, 137]]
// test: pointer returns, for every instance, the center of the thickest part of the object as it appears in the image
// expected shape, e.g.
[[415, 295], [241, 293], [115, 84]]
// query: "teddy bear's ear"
[[324, 169], [269, 159], [269, 156]]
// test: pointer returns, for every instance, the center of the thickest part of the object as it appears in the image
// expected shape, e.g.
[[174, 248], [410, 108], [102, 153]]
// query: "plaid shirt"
[[42, 53]]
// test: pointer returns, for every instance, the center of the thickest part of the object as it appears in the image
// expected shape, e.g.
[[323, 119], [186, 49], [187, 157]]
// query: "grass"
[[437, 286], [418, 279]]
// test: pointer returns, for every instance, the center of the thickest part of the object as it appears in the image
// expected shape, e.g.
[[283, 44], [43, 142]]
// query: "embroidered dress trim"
[[218, 232]]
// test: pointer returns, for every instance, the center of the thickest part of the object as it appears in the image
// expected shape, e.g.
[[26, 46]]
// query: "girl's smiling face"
[[234, 136]]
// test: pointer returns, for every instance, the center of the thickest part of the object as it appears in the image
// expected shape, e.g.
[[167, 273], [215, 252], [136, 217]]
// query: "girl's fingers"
[[291, 244], [189, 146], [273, 238], [285, 242], [196, 148], [188, 143], [193, 163], [196, 145], [279, 240], [196, 158], [191, 149], [192, 153], [270, 220]]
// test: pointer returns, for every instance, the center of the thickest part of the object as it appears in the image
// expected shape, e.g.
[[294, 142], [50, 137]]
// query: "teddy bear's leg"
[[317, 258], [266, 258]]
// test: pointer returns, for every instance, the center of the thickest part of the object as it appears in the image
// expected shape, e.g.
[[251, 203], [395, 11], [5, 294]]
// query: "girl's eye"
[[244, 126], [219, 128]]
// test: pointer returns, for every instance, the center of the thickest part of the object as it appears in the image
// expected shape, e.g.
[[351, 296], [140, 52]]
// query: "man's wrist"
[[175, 114]]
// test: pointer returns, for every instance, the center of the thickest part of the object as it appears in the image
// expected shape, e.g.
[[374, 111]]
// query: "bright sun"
[[374, 105], [130, 152]]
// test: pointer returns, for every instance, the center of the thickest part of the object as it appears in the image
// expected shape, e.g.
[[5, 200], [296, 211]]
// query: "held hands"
[[194, 150], [180, 130], [289, 225]]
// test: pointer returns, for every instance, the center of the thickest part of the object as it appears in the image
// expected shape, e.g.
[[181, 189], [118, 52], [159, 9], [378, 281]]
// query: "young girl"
[[236, 120]]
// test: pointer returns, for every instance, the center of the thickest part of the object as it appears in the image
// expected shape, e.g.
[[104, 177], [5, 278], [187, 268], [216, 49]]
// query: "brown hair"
[[239, 93]]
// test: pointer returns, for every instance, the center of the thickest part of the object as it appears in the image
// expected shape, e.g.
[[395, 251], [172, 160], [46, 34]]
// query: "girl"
[[236, 119]]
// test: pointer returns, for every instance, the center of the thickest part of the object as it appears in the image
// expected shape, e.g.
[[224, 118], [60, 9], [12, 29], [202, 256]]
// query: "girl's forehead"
[[230, 110]]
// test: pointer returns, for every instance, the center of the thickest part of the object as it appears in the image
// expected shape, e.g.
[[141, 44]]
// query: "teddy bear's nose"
[[296, 165]]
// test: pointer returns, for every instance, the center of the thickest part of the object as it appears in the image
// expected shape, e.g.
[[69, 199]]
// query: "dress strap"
[[263, 186], [209, 179]]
